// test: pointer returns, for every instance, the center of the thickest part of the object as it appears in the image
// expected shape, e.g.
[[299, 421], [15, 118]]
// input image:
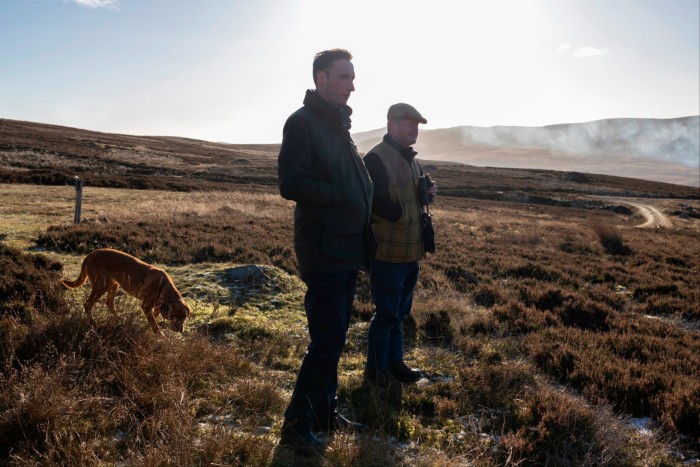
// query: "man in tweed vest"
[[396, 225]]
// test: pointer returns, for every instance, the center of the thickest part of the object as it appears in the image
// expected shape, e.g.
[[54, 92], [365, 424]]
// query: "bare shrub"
[[681, 406], [209, 236], [28, 283], [519, 318], [561, 430], [611, 239], [573, 245], [571, 309], [460, 278], [549, 299], [585, 314], [645, 370], [493, 385], [432, 280], [487, 295], [363, 310], [437, 328], [643, 293], [39, 410], [533, 271], [558, 359], [117, 378]]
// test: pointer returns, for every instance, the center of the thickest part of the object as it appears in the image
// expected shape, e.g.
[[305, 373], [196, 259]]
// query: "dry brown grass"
[[206, 227], [538, 342]]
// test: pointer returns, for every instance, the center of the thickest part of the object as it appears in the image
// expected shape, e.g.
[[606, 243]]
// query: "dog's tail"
[[79, 281]]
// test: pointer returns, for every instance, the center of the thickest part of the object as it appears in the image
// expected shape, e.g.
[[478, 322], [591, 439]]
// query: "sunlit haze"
[[232, 71]]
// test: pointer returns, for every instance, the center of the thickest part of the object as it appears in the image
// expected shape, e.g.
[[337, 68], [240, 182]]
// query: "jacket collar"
[[406, 152], [337, 116]]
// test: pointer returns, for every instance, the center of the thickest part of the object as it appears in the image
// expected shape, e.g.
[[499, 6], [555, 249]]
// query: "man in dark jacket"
[[396, 224], [320, 169]]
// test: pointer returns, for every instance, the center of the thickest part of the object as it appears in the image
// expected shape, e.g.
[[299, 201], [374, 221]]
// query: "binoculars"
[[424, 184]]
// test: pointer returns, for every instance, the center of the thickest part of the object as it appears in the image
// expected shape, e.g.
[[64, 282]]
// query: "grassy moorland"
[[553, 330]]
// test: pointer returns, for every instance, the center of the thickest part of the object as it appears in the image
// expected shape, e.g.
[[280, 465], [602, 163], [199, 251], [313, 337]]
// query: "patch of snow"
[[642, 425]]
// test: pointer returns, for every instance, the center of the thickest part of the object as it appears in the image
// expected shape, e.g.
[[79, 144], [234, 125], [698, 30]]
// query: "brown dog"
[[108, 269]]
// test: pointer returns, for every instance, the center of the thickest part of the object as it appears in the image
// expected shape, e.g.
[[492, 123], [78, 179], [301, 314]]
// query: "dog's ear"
[[165, 310]]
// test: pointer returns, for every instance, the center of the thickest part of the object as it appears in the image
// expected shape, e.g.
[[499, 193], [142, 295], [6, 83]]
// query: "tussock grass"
[[611, 239]]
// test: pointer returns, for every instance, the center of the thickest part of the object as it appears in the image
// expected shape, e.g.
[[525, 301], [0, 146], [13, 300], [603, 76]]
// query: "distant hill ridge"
[[661, 150], [666, 150]]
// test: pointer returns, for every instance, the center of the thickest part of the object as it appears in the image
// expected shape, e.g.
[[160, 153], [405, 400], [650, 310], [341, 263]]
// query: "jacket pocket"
[[342, 236]]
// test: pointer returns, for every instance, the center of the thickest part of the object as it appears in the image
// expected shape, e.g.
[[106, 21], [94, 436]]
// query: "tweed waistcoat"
[[400, 241]]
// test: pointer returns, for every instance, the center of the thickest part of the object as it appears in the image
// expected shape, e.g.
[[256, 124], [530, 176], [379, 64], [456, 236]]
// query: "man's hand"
[[432, 193]]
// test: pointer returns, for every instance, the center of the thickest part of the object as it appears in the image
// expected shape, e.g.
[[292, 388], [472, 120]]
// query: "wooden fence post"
[[78, 198]]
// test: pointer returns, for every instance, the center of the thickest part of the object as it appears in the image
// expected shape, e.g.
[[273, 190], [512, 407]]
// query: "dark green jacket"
[[319, 168]]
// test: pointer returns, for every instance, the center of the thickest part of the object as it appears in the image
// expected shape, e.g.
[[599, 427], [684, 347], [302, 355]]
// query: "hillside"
[[50, 154], [666, 150], [53, 155], [556, 324]]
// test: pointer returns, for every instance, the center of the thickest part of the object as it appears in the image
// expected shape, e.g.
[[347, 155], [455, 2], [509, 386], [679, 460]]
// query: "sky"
[[233, 70]]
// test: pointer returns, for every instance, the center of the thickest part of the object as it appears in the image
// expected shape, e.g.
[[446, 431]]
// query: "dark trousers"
[[392, 286], [328, 304]]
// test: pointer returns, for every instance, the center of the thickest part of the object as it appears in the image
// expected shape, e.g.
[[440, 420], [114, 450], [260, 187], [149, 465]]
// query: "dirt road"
[[655, 219]]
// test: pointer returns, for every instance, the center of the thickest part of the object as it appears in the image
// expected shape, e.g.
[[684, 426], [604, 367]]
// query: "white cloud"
[[563, 48], [580, 52], [588, 51], [112, 4]]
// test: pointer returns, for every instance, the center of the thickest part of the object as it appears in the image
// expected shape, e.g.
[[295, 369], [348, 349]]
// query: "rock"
[[250, 272], [422, 382]]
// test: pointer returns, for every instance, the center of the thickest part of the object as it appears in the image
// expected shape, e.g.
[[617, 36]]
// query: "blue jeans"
[[328, 304], [392, 286]]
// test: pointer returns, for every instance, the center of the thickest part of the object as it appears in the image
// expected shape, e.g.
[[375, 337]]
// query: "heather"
[[540, 344], [551, 328]]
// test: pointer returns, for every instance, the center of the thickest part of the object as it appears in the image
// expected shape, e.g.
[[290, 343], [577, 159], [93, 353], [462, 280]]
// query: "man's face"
[[404, 131], [335, 85]]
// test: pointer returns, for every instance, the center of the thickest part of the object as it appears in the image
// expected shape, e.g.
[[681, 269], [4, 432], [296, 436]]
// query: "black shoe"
[[300, 438], [405, 374], [338, 422]]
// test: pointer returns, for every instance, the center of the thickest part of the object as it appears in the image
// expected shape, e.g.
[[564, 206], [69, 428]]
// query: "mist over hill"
[[50, 154], [666, 150]]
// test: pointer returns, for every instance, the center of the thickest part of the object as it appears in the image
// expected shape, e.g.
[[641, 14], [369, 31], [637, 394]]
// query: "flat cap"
[[402, 110]]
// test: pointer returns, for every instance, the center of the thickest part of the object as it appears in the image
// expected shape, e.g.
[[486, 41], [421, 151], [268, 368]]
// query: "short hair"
[[323, 60]]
